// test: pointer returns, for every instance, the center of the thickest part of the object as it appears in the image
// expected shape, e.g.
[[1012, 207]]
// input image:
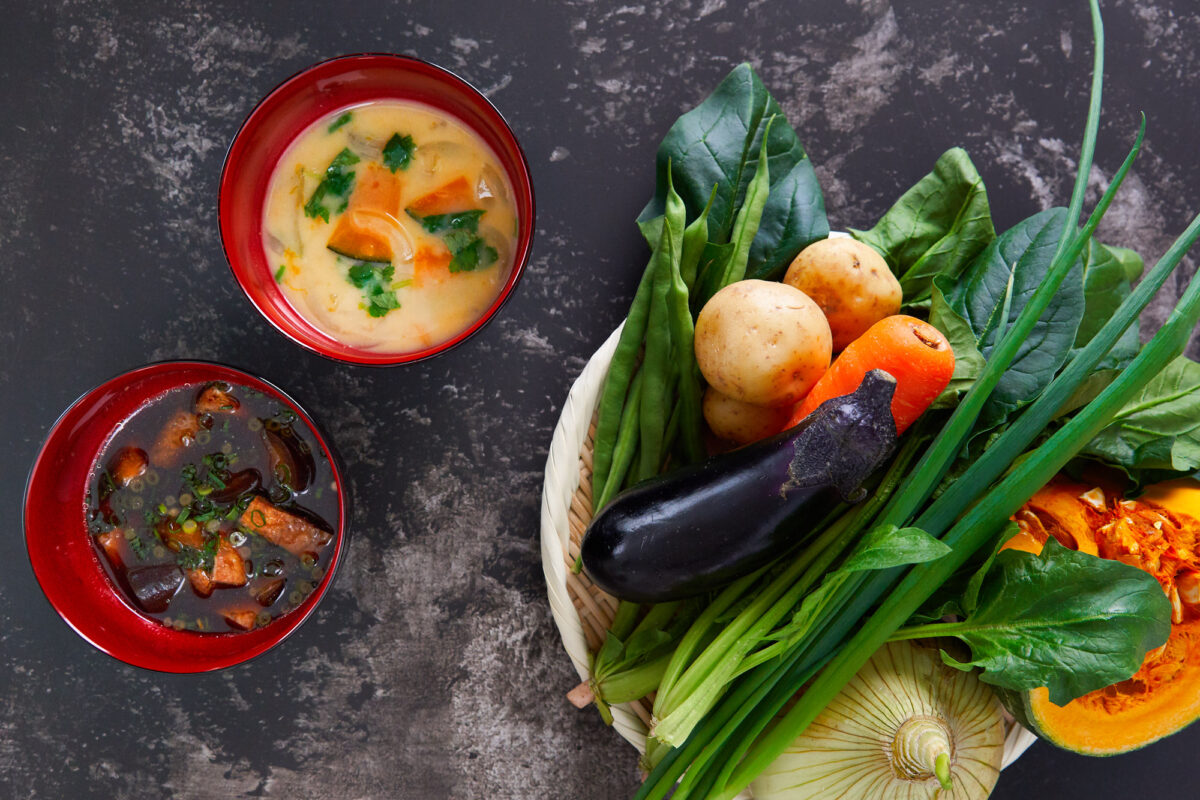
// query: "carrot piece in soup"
[[913, 352], [457, 195], [174, 536], [229, 568], [202, 582], [291, 532], [364, 231], [213, 399], [128, 463], [111, 542], [176, 436], [241, 618], [431, 265]]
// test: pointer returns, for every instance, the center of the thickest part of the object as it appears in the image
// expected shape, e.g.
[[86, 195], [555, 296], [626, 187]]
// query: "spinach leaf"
[[887, 546], [333, 192], [379, 295], [936, 228], [990, 295], [462, 220], [968, 361], [717, 143], [1065, 620], [398, 152], [1159, 429], [1108, 275], [340, 121], [458, 230]]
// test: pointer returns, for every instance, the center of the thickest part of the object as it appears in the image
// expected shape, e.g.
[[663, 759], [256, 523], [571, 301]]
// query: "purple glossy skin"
[[703, 526]]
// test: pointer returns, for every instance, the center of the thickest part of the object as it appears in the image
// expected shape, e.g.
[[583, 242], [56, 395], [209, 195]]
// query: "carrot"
[[430, 265], [457, 195], [913, 352]]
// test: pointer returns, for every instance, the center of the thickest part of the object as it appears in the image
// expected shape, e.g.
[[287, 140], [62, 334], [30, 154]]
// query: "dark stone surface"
[[433, 669]]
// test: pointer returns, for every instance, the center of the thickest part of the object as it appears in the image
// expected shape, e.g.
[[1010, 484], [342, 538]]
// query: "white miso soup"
[[391, 226]]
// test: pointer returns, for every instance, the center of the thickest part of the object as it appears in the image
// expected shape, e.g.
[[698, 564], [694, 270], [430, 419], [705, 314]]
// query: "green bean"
[[657, 362], [620, 375], [745, 227], [695, 238], [623, 451], [729, 262], [683, 333]]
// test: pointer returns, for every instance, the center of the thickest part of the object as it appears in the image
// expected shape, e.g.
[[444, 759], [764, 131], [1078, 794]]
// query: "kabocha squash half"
[[906, 727], [365, 230], [1159, 533]]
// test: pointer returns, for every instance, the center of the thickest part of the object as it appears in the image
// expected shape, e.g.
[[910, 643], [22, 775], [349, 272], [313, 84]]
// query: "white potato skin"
[[762, 342], [740, 422], [851, 283]]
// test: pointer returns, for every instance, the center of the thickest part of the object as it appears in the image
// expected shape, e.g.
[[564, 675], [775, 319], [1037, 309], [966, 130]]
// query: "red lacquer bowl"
[[65, 562], [300, 101]]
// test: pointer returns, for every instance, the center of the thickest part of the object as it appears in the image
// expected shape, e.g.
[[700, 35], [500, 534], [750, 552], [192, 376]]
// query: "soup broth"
[[213, 509], [391, 226]]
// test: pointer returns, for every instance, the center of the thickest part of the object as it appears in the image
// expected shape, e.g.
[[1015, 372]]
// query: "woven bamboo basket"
[[581, 611]]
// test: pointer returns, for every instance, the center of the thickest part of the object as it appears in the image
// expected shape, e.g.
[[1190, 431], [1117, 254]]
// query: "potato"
[[762, 342], [742, 422], [851, 283]]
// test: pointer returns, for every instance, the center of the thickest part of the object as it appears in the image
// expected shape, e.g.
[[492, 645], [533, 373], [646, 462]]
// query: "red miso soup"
[[213, 509]]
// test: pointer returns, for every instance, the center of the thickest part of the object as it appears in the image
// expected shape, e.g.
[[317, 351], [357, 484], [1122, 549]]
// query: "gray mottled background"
[[432, 670]]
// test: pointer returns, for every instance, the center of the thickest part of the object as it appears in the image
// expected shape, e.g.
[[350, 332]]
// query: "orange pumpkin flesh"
[[1159, 534], [364, 231]]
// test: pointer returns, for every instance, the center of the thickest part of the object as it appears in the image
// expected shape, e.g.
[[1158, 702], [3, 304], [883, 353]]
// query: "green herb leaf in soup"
[[468, 251], [717, 144], [459, 220], [1066, 620], [333, 192], [379, 296], [936, 228], [398, 152], [993, 290], [1159, 428], [340, 121]]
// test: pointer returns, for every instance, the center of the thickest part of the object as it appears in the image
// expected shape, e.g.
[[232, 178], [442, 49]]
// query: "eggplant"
[[153, 587], [236, 485], [292, 463], [702, 526]]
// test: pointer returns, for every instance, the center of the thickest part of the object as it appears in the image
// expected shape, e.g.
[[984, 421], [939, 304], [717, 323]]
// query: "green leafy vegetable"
[[475, 254], [1108, 274], [333, 192], [937, 227], [279, 273], [458, 220], [888, 546], [201, 558], [458, 230], [379, 294], [340, 121], [996, 288], [968, 361], [1068, 621], [1160, 427], [717, 144], [139, 548], [398, 152]]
